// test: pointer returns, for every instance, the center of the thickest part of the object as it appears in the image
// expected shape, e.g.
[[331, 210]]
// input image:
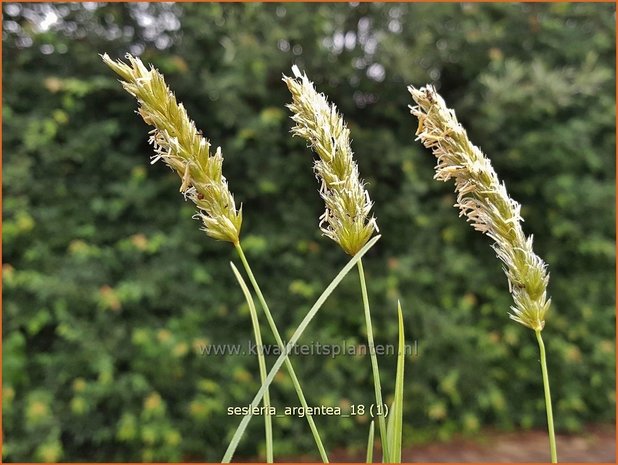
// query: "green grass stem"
[[548, 408], [374, 364], [288, 363], [229, 453], [268, 424]]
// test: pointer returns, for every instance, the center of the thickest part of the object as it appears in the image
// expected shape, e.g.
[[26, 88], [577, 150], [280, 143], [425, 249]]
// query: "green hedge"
[[110, 288]]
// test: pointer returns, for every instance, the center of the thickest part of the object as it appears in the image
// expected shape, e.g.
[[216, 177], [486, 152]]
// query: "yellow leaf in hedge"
[[448, 384], [199, 344], [179, 63], [8, 273], [36, 411], [497, 399], [60, 116], [106, 376], [246, 134], [149, 434], [139, 173], [49, 452], [180, 349], [470, 422], [272, 115], [24, 222], [153, 403], [607, 346], [198, 409], [164, 335], [408, 166], [449, 234], [78, 247], [437, 411], [79, 405], [108, 298], [208, 385], [127, 428], [79, 384], [172, 438], [53, 84], [573, 354], [301, 288], [8, 394], [140, 241], [243, 376]]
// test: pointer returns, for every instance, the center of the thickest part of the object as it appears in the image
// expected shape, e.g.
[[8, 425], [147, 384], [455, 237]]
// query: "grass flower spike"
[[179, 144], [182, 147], [483, 199], [348, 206]]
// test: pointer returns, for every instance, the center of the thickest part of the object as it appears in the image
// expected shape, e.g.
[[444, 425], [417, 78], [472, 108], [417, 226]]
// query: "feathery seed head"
[[346, 219], [483, 199], [178, 143]]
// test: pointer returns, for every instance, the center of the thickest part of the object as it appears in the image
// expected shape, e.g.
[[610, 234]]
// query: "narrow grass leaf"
[[273, 326], [268, 425], [386, 457], [395, 422], [377, 385], [370, 441], [229, 453]]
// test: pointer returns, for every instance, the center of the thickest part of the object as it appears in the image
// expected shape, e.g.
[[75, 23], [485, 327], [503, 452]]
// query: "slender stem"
[[374, 363], [370, 443], [268, 424], [313, 311], [550, 415], [288, 363]]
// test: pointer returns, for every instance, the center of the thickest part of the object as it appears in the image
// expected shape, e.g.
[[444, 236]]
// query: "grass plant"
[[483, 199], [347, 218], [182, 147]]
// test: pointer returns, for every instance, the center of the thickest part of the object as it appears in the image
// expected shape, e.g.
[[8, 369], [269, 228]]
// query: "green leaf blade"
[[370, 441], [240, 430], [395, 423]]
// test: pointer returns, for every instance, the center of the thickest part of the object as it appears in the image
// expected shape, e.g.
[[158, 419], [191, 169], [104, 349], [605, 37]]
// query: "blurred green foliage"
[[110, 288]]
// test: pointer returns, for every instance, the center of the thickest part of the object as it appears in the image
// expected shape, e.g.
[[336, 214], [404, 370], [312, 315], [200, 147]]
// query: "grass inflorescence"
[[348, 220], [485, 203]]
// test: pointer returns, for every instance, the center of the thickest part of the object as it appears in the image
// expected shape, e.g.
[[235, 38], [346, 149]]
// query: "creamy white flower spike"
[[178, 143], [346, 219], [483, 199]]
